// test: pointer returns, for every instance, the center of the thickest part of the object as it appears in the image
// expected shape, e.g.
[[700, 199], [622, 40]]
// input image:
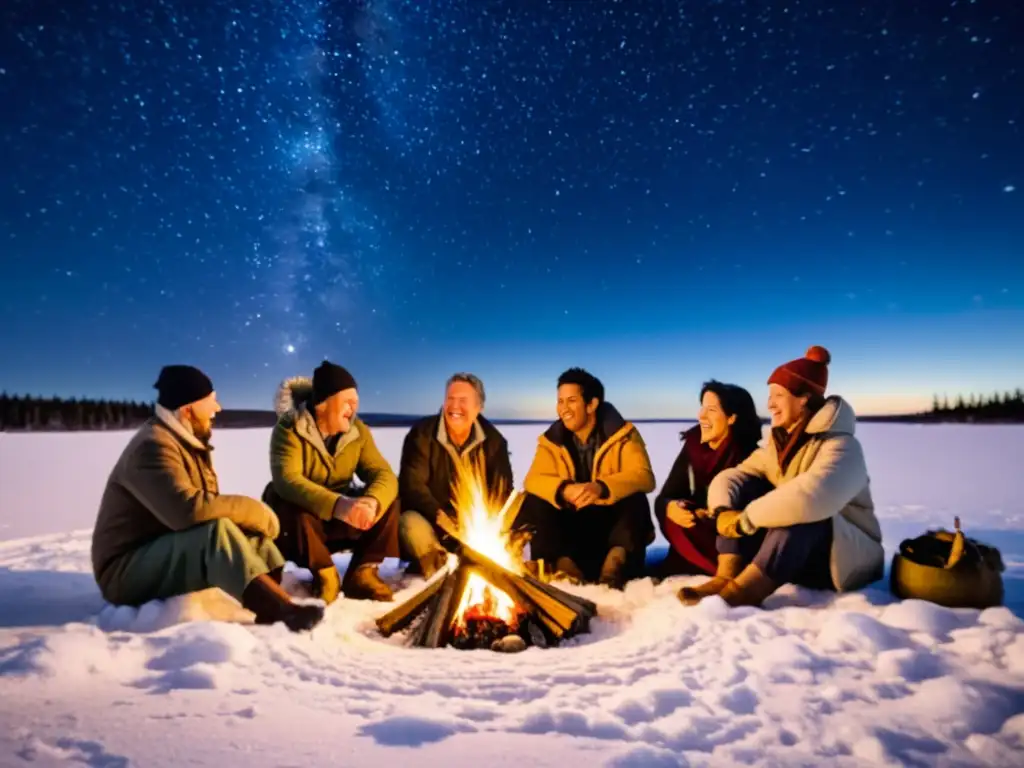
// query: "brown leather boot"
[[751, 587], [729, 567], [613, 572], [566, 568], [364, 583], [271, 604]]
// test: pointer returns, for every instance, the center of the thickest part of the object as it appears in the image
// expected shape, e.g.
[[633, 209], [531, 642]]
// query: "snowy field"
[[815, 680]]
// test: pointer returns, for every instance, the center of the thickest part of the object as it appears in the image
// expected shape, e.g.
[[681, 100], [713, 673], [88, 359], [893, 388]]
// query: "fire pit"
[[484, 598]]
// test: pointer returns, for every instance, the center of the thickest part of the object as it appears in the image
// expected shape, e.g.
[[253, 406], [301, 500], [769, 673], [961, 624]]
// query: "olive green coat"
[[305, 473]]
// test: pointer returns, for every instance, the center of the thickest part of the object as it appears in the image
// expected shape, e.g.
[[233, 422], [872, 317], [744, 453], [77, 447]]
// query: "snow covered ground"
[[816, 680]]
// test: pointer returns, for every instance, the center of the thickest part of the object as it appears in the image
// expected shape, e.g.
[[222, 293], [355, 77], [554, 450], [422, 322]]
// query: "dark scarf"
[[788, 444], [707, 462]]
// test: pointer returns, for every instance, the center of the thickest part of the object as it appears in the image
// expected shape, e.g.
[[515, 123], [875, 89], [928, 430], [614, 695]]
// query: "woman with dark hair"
[[727, 431]]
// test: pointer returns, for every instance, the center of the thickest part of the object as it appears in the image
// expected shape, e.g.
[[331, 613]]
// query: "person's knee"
[[416, 531], [224, 533]]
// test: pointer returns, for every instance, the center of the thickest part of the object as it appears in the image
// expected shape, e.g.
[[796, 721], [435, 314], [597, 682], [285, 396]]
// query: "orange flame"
[[484, 520]]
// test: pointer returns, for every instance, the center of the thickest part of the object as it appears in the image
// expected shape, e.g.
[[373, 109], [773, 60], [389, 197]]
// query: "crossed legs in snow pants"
[[798, 554], [587, 535], [213, 554], [309, 542]]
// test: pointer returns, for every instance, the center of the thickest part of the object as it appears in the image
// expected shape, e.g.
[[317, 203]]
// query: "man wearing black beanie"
[[317, 450], [164, 528]]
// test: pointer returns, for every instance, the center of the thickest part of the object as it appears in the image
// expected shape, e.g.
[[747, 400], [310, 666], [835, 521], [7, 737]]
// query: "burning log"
[[403, 615], [542, 614], [435, 630]]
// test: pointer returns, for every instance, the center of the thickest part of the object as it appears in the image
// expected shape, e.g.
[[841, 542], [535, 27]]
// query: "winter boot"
[[729, 567], [327, 584], [751, 587], [613, 572], [364, 583], [432, 562], [271, 604], [566, 568]]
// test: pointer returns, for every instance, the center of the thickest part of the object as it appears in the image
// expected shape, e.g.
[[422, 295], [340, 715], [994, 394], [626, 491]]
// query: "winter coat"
[[162, 483], [621, 464], [305, 473], [429, 461], [826, 477]]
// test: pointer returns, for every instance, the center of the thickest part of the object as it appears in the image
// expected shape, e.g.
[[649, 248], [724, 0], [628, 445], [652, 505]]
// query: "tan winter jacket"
[[164, 482], [621, 462], [305, 473], [826, 478]]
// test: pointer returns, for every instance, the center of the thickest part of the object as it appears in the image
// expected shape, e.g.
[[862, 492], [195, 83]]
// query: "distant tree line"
[[1005, 407], [57, 414]]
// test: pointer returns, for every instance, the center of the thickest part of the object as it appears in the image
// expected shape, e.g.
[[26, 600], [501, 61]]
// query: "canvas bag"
[[949, 569]]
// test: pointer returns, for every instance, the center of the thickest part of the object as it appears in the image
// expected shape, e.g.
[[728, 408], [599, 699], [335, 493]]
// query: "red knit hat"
[[805, 375]]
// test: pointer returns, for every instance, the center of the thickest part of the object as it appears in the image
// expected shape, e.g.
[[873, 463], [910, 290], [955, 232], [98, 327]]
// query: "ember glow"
[[483, 525]]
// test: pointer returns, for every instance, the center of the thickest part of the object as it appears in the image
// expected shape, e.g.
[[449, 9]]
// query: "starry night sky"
[[661, 192]]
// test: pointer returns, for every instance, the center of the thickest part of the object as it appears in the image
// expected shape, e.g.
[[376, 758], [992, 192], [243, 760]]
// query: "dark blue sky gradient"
[[662, 192]]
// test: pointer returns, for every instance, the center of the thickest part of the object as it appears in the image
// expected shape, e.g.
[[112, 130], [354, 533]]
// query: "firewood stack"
[[549, 615]]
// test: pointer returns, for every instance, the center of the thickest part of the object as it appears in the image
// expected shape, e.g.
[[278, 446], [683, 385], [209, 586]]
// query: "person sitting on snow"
[[799, 509], [586, 490], [728, 431], [431, 453], [317, 449], [164, 529]]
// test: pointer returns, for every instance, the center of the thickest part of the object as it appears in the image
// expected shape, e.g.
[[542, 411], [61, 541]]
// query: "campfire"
[[484, 598]]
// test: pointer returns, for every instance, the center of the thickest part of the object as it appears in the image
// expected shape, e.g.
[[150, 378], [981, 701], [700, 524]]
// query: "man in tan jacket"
[[164, 529], [586, 502], [799, 509]]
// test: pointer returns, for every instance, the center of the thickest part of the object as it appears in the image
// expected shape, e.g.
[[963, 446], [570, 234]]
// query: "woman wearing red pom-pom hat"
[[799, 509]]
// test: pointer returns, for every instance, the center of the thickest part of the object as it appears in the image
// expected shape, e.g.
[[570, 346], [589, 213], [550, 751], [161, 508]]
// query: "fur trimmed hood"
[[292, 395]]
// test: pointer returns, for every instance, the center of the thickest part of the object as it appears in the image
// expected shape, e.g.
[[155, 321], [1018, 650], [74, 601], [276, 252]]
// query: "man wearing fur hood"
[[799, 509], [164, 529], [317, 451]]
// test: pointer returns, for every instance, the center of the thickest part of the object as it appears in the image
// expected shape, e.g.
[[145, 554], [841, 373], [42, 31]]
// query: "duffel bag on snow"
[[947, 568]]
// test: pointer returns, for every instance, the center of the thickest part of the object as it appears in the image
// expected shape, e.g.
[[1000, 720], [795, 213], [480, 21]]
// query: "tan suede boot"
[[271, 604], [751, 587], [364, 583], [729, 567], [327, 584], [432, 562]]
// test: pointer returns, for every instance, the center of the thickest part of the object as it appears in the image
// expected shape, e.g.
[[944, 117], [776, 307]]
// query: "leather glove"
[[733, 524]]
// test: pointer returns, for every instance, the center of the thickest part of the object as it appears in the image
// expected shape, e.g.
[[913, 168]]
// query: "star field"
[[660, 191]]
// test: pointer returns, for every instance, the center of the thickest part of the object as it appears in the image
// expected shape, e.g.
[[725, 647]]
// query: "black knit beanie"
[[180, 385], [330, 379]]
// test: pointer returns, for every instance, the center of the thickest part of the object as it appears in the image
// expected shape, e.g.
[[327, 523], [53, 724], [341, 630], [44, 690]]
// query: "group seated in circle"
[[750, 513]]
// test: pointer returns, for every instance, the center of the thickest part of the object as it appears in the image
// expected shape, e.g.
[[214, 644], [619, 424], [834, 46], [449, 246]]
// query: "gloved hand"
[[260, 519], [271, 525], [733, 524]]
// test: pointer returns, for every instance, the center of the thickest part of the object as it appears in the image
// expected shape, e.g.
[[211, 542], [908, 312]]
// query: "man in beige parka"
[[164, 528]]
